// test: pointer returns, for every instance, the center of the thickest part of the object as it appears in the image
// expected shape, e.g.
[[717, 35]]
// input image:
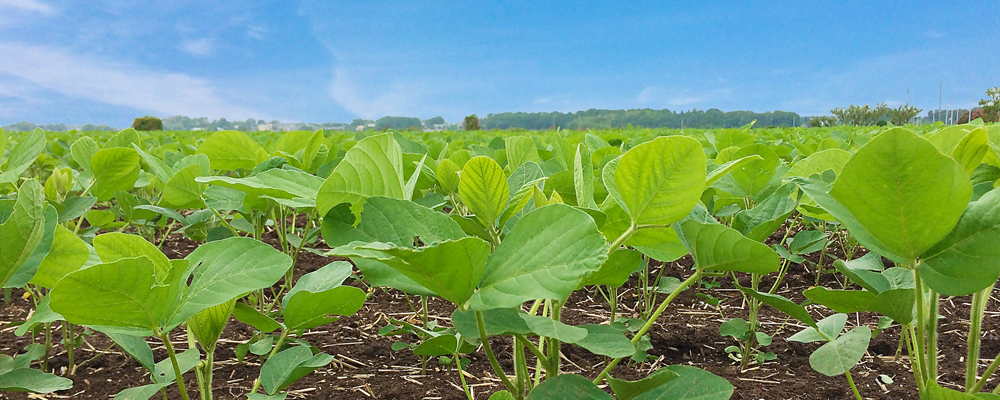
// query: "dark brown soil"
[[688, 333]]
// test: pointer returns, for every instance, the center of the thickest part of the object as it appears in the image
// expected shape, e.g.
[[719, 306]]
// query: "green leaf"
[[250, 316], [519, 200], [163, 371], [830, 327], [447, 175], [122, 293], [450, 269], [728, 167], [819, 192], [28, 270], [520, 150], [498, 321], [782, 304], [43, 314], [501, 395], [114, 169], [286, 367], [68, 254], [261, 396], [760, 222], [628, 390], [136, 347], [22, 156], [568, 387], [23, 231], [606, 340], [936, 392], [583, 178], [548, 327], [182, 191], [207, 325], [231, 150], [967, 260], [307, 309], [660, 181], [159, 168], [716, 247], [143, 392], [115, 246], [545, 256], [398, 222], [903, 191], [690, 384], [839, 356], [33, 380], [437, 346], [224, 269], [278, 183], [736, 327], [373, 167], [483, 189], [842, 301], [753, 177], [83, 151], [971, 149], [819, 162], [614, 272]]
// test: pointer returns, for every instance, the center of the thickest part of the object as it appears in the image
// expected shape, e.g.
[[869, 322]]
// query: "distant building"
[[264, 127]]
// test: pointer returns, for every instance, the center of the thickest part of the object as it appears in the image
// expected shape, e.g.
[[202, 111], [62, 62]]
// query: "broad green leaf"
[[545, 256], [754, 176], [159, 168], [501, 395], [819, 192], [819, 162], [729, 166], [690, 384], [839, 356], [115, 246], [936, 392], [308, 309], [127, 138], [520, 150], [657, 243], [660, 181], [736, 327], [231, 150], [163, 371], [83, 151], [32, 380], [122, 293], [261, 396], [782, 304], [207, 324], [971, 150], [181, 191], [411, 184], [842, 301], [167, 212], [67, 255], [568, 387], [451, 269], [23, 231], [30, 266], [447, 175], [606, 340], [114, 169], [144, 392], [373, 167], [967, 260], [43, 314], [760, 222], [135, 346], [286, 367], [483, 189], [548, 327], [716, 247], [437, 346], [498, 321], [583, 178], [628, 390], [250, 316], [904, 192], [279, 183], [947, 139], [399, 222], [519, 200], [830, 327], [616, 269], [22, 156], [224, 269]]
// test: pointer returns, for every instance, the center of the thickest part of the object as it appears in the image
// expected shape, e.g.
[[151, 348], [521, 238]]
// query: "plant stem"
[[69, 336], [652, 319], [986, 375], [979, 300], [489, 354], [48, 346], [461, 375], [854, 388], [621, 239], [165, 337], [554, 344]]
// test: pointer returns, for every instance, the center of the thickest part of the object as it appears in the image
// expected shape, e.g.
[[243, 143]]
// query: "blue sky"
[[322, 61]]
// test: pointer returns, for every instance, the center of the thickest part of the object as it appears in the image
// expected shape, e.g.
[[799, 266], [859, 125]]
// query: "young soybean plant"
[[905, 200], [137, 292]]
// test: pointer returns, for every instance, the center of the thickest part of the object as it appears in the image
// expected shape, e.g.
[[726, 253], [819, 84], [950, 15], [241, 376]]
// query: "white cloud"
[[198, 47], [647, 94], [392, 99], [256, 31], [120, 84], [933, 34], [28, 5], [678, 98]]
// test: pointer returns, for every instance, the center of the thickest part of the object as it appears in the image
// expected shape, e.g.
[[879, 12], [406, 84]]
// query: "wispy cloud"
[[198, 47], [933, 34], [28, 5], [120, 84], [256, 31], [393, 99], [653, 95]]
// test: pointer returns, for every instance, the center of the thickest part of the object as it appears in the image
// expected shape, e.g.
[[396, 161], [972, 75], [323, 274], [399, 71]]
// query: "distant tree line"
[[648, 118], [25, 126]]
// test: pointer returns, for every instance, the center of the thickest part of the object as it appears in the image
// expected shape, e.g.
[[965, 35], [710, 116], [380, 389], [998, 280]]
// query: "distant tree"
[[987, 115], [993, 102], [903, 114], [400, 123], [438, 120], [471, 123], [147, 123], [821, 121], [860, 115]]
